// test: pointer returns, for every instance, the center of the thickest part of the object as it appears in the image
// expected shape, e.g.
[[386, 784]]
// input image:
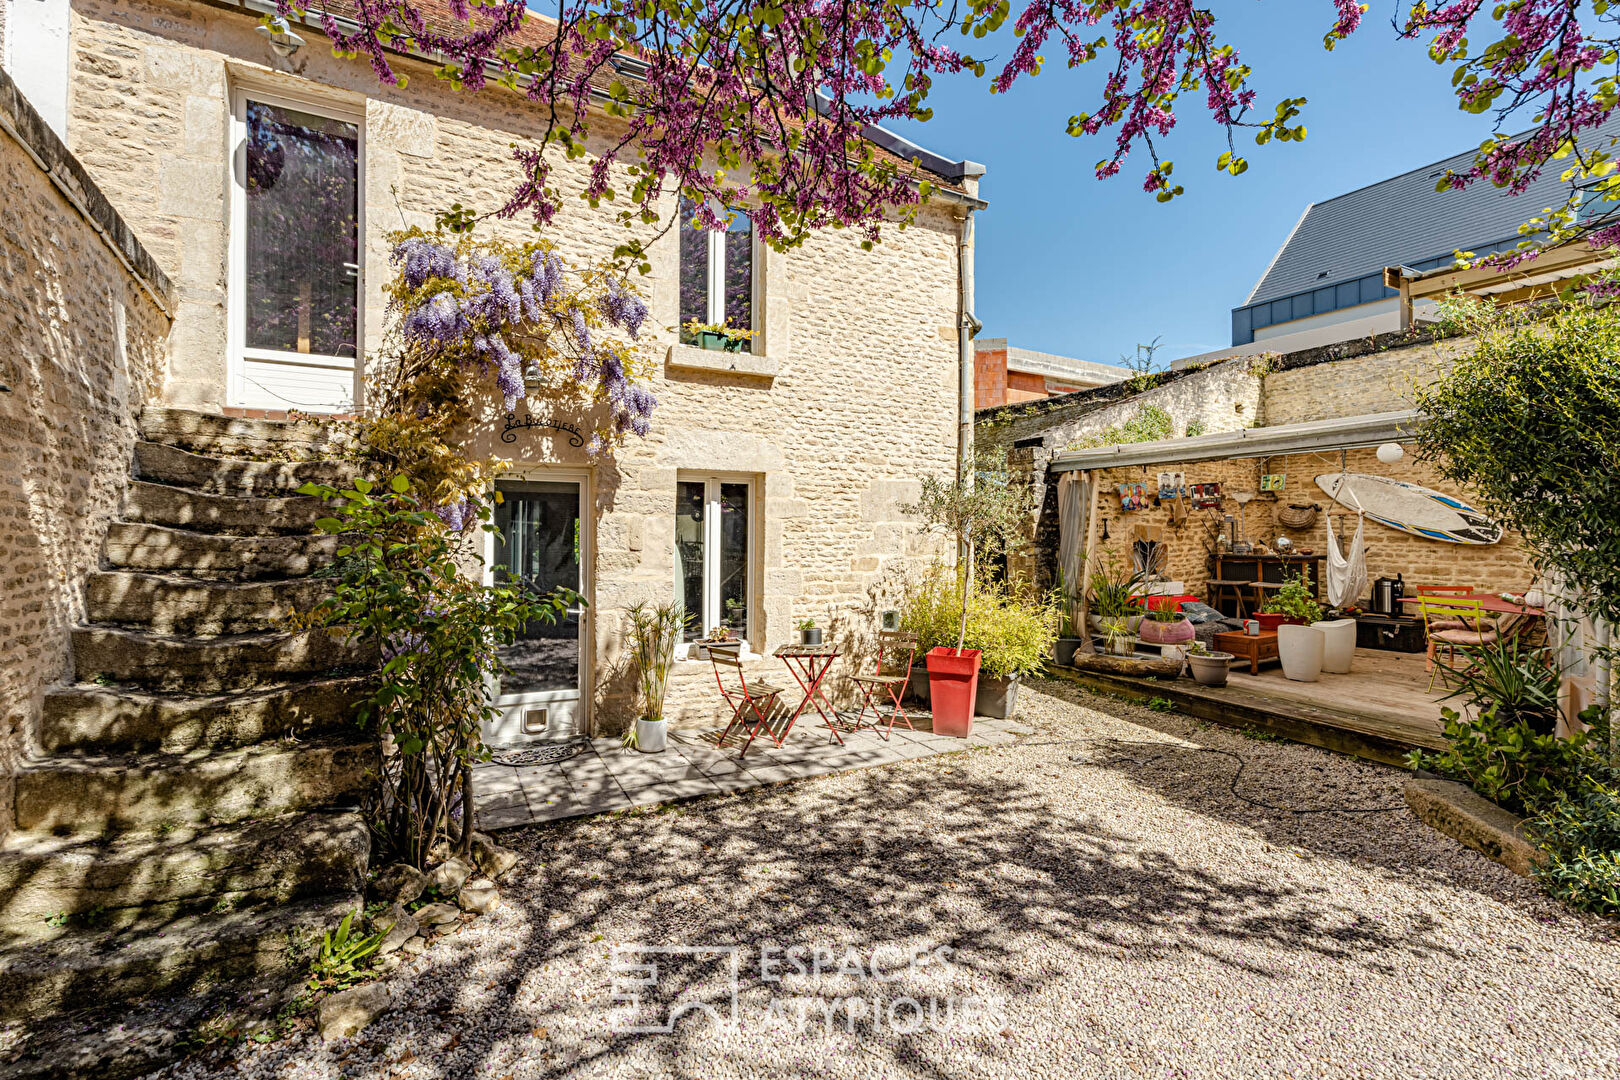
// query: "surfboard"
[[1411, 508]]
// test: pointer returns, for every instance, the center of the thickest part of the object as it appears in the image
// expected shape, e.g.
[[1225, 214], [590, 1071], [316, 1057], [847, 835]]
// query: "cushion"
[[1464, 637]]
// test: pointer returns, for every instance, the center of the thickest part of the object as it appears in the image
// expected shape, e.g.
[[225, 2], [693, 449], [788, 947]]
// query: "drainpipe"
[[967, 327]]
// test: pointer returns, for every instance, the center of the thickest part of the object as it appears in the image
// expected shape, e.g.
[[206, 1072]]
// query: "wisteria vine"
[[764, 103]]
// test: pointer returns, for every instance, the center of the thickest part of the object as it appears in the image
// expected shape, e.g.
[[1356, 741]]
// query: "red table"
[[809, 664]]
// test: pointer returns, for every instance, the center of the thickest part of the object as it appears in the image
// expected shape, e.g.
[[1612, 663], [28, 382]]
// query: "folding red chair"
[[751, 706], [889, 680]]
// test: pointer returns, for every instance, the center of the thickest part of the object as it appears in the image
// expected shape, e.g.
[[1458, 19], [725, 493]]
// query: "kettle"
[[1383, 596]]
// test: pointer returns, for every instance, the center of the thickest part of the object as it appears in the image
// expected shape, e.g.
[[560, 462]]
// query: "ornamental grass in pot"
[[1013, 635], [653, 634], [1113, 589]]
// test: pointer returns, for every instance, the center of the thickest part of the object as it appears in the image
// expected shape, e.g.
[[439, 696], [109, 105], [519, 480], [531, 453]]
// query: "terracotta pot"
[[953, 686], [1271, 622], [1166, 633]]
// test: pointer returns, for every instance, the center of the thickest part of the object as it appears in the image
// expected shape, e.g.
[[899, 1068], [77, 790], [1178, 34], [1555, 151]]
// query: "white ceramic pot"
[[650, 735], [1300, 648], [1340, 645]]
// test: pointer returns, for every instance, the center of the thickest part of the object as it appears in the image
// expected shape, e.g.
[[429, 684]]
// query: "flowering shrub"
[[438, 633], [465, 313]]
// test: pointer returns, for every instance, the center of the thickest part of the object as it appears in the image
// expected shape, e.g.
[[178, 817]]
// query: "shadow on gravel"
[[937, 852]]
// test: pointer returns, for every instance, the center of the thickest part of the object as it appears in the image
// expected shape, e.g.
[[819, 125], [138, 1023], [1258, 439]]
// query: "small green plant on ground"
[[343, 956], [1159, 704], [1296, 599]]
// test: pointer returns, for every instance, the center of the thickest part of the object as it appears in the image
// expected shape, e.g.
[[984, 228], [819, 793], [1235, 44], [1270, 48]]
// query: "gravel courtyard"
[[1094, 901]]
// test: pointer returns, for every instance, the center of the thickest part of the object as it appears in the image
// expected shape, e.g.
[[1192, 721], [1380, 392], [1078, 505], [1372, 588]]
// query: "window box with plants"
[[718, 637], [716, 337]]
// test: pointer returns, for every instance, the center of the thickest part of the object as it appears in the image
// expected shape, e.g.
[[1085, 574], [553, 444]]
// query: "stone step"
[[52, 886], [161, 463], [168, 604], [70, 794], [112, 719], [106, 654], [86, 969], [138, 546], [159, 504], [226, 436]]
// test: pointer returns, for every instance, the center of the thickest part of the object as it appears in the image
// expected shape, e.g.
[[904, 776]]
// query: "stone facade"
[[1354, 379], [849, 399], [84, 313]]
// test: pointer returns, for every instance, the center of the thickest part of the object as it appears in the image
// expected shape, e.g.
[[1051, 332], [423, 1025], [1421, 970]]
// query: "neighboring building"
[[1006, 375], [1326, 284]]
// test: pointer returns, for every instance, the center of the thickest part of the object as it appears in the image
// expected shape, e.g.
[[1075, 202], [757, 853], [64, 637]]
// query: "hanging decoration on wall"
[[1172, 485], [1274, 482], [1206, 496], [514, 425], [1411, 508], [1133, 496]]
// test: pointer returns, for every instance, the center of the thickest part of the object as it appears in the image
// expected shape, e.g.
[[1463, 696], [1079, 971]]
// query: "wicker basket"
[[1298, 516]]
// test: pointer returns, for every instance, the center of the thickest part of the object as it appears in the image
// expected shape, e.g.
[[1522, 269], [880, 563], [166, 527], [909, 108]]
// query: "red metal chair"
[[889, 680], [751, 706]]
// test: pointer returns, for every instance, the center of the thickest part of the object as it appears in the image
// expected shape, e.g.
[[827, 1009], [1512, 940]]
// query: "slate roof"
[[1403, 220]]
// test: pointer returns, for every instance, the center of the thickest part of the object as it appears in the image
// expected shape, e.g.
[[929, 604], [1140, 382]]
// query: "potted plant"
[[653, 634], [1294, 603], [1118, 639], [984, 512], [1165, 625], [928, 613], [1013, 635], [809, 632], [1071, 631], [718, 637], [1208, 668], [1113, 591], [716, 337]]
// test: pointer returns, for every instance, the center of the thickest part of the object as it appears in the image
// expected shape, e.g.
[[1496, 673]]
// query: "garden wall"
[[83, 314]]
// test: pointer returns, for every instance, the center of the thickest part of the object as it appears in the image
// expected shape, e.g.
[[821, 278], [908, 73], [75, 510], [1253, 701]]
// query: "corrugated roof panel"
[[1404, 220]]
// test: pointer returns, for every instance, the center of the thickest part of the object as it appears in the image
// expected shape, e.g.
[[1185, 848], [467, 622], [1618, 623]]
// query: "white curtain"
[[1073, 498]]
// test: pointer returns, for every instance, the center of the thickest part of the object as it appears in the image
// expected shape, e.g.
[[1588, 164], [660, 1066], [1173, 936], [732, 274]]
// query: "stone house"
[[770, 489]]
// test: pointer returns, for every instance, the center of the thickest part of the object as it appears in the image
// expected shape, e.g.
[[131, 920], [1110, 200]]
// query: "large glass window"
[[717, 274], [303, 217], [713, 550]]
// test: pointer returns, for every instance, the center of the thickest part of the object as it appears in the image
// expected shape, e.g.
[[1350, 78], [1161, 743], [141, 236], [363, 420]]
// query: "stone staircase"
[[191, 820]]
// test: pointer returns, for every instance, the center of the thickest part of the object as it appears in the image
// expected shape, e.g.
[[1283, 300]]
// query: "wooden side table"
[[1255, 648]]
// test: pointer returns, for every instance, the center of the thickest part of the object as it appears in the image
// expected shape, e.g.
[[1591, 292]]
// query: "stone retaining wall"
[[84, 313]]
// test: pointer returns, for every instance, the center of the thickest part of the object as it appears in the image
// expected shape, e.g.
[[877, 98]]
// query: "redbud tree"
[[763, 103]]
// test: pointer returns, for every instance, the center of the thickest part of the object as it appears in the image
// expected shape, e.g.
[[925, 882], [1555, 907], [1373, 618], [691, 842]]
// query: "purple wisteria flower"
[[419, 260], [623, 308]]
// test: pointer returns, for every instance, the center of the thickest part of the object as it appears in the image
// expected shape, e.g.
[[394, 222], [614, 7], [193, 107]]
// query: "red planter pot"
[[953, 689], [1271, 622]]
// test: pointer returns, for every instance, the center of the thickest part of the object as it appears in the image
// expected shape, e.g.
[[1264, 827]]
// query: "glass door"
[[541, 544], [295, 257]]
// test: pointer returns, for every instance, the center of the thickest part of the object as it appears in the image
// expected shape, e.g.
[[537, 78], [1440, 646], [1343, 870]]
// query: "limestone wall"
[[855, 392], [83, 321]]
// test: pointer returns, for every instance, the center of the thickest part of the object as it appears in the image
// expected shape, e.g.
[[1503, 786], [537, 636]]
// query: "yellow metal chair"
[[1453, 624]]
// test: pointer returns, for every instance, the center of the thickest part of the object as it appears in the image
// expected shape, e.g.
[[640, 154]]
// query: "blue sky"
[[1087, 268]]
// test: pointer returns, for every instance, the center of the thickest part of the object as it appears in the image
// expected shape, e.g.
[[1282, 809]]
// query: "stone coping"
[[1474, 822], [715, 362], [19, 120]]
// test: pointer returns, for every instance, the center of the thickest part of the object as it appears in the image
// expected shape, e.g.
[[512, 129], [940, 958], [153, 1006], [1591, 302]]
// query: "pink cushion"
[[1464, 637]]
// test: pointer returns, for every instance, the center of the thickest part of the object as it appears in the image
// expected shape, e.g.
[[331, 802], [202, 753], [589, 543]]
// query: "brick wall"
[[84, 337], [855, 395], [989, 378]]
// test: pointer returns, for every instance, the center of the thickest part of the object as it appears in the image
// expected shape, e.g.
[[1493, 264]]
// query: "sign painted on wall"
[[514, 425]]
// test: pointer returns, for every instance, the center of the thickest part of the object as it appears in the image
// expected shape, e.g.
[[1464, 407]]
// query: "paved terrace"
[[606, 776]]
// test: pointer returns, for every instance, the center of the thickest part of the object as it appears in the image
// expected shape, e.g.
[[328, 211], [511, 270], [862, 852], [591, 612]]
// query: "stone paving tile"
[[608, 777]]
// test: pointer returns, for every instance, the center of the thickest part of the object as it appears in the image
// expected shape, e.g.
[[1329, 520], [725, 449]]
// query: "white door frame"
[[236, 239], [754, 642], [587, 580]]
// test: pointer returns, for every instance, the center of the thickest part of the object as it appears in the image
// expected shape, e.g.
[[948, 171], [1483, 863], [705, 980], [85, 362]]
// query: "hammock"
[[1346, 574]]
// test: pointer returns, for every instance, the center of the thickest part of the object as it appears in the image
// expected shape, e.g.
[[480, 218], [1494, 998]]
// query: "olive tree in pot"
[[653, 634], [983, 511]]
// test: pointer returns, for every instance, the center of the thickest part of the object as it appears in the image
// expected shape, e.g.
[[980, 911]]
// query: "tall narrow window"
[[717, 274], [713, 550]]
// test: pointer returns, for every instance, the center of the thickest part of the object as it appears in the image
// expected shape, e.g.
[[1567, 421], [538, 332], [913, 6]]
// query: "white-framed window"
[[715, 546], [719, 278], [296, 223]]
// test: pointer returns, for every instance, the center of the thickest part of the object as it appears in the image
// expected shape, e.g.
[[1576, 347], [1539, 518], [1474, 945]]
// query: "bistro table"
[[809, 664]]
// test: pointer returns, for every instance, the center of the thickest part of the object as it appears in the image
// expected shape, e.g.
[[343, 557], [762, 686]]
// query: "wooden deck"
[[1380, 711]]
